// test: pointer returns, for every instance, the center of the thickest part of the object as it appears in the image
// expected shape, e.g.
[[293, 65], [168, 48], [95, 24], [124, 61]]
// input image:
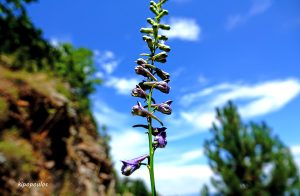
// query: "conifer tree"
[[247, 159]]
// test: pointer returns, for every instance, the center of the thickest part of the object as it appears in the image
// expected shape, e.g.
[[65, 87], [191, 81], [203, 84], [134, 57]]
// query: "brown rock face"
[[45, 141]]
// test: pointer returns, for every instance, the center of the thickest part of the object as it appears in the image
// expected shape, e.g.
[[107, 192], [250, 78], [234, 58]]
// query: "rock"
[[52, 142]]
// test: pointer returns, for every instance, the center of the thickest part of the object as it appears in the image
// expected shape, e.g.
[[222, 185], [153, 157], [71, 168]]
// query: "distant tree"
[[77, 67], [247, 159], [28, 50], [19, 37], [131, 187]]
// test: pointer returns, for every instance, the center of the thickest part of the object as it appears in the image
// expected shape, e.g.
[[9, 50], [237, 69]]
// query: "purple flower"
[[141, 61], [160, 57], [160, 140], [138, 92], [139, 110], [131, 165], [162, 74], [164, 108], [161, 85], [140, 70]]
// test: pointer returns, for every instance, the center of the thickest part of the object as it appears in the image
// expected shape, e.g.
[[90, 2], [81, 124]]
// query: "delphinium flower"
[[130, 166], [154, 78]]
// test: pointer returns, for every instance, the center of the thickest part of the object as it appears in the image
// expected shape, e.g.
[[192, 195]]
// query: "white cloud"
[[201, 120], [177, 180], [122, 85], [257, 7], [187, 179], [184, 29], [187, 99], [258, 99], [295, 150], [107, 60], [191, 155], [128, 144]]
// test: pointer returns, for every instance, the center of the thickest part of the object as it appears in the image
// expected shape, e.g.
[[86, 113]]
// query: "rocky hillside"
[[44, 140]]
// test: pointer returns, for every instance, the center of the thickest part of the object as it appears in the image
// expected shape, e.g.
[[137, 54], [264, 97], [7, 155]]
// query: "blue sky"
[[246, 51]]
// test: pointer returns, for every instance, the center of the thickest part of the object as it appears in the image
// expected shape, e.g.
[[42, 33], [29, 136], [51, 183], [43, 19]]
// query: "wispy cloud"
[[107, 115], [122, 85], [184, 28], [258, 99], [257, 7], [107, 60], [191, 155]]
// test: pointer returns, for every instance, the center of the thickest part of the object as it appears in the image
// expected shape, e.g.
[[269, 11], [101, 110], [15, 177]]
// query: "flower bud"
[[146, 30], [151, 21], [130, 166], [164, 47], [160, 57], [162, 86], [145, 54], [144, 72], [153, 3], [164, 27], [161, 60], [162, 37], [162, 14], [162, 74], [138, 92], [141, 61], [149, 41], [154, 10]]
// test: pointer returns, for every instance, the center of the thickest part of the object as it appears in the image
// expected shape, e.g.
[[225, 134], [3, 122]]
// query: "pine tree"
[[247, 159]]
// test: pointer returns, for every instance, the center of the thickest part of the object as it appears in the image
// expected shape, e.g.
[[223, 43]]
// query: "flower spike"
[[147, 67]]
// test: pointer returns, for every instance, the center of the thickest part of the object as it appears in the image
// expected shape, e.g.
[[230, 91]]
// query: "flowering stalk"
[[147, 68]]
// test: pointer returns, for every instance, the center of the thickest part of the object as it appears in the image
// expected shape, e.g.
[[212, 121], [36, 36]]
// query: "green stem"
[[149, 102], [151, 150]]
